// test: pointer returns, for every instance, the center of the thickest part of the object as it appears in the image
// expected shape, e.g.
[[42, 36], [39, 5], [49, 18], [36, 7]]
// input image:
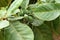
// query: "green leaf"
[[4, 3], [47, 16], [3, 24], [42, 32], [24, 4], [56, 24], [46, 11], [18, 31], [14, 6]]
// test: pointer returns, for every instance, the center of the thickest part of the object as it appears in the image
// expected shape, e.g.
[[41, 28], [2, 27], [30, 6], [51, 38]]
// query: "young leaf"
[[42, 32], [18, 31], [3, 24]]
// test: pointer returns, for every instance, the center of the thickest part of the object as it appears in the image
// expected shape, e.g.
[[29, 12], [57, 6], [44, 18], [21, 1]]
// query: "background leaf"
[[42, 32]]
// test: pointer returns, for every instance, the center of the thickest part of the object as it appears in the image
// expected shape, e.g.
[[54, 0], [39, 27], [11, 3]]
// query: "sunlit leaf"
[[18, 31]]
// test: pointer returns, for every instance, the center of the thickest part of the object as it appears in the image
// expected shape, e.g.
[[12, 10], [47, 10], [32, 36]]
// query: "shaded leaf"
[[42, 32], [56, 24], [37, 22]]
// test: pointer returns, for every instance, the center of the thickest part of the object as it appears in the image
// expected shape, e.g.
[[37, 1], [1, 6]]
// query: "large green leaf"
[[42, 32], [46, 12], [56, 24], [47, 16], [4, 3], [18, 31]]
